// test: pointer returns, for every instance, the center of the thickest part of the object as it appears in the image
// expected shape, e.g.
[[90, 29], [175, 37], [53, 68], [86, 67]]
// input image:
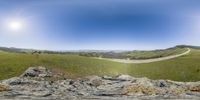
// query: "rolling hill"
[[137, 54], [184, 68]]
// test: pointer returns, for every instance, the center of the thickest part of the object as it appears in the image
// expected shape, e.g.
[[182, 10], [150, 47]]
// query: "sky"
[[99, 24]]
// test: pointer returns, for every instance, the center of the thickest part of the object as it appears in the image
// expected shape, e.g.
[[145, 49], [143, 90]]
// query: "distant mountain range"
[[22, 50], [188, 46]]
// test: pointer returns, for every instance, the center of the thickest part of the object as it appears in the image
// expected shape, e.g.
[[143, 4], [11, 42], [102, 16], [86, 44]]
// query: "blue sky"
[[100, 24]]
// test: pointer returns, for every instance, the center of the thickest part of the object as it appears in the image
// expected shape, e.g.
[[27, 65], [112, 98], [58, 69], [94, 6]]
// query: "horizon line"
[[67, 50]]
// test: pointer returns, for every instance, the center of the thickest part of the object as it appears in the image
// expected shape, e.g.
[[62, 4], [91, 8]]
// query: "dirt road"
[[147, 60]]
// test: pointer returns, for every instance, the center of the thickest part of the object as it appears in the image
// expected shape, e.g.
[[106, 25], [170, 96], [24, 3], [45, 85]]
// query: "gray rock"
[[95, 81], [93, 87], [37, 72], [16, 81], [125, 77]]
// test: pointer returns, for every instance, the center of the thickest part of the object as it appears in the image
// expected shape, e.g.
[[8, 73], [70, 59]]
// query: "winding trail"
[[147, 60]]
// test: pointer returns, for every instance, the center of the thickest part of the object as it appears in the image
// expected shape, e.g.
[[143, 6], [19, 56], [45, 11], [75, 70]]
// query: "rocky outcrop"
[[40, 83], [37, 72]]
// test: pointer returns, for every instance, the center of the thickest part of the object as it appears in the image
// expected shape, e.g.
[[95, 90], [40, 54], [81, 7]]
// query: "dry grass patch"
[[178, 91], [137, 88], [195, 88], [64, 73], [4, 88]]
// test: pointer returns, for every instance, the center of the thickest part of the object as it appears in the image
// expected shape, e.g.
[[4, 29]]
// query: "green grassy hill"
[[136, 54], [155, 53], [185, 68]]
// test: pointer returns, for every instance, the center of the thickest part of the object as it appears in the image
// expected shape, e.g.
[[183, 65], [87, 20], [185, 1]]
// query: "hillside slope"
[[184, 68], [137, 54], [150, 59]]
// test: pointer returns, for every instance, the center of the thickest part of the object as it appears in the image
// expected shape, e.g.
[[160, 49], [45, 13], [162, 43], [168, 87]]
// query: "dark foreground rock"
[[40, 83]]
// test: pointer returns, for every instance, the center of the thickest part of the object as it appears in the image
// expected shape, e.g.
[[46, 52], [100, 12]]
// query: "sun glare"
[[15, 25]]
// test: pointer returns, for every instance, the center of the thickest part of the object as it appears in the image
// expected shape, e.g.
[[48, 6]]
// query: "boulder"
[[37, 72]]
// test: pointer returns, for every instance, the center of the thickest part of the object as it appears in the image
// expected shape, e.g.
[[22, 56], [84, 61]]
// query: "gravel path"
[[147, 60]]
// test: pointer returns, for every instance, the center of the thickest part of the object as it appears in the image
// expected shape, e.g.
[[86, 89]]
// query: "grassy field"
[[185, 68]]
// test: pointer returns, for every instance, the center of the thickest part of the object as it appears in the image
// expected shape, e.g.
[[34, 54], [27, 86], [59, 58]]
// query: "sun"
[[15, 25]]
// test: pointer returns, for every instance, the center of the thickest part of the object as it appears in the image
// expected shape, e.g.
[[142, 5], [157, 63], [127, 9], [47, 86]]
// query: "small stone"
[[162, 83]]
